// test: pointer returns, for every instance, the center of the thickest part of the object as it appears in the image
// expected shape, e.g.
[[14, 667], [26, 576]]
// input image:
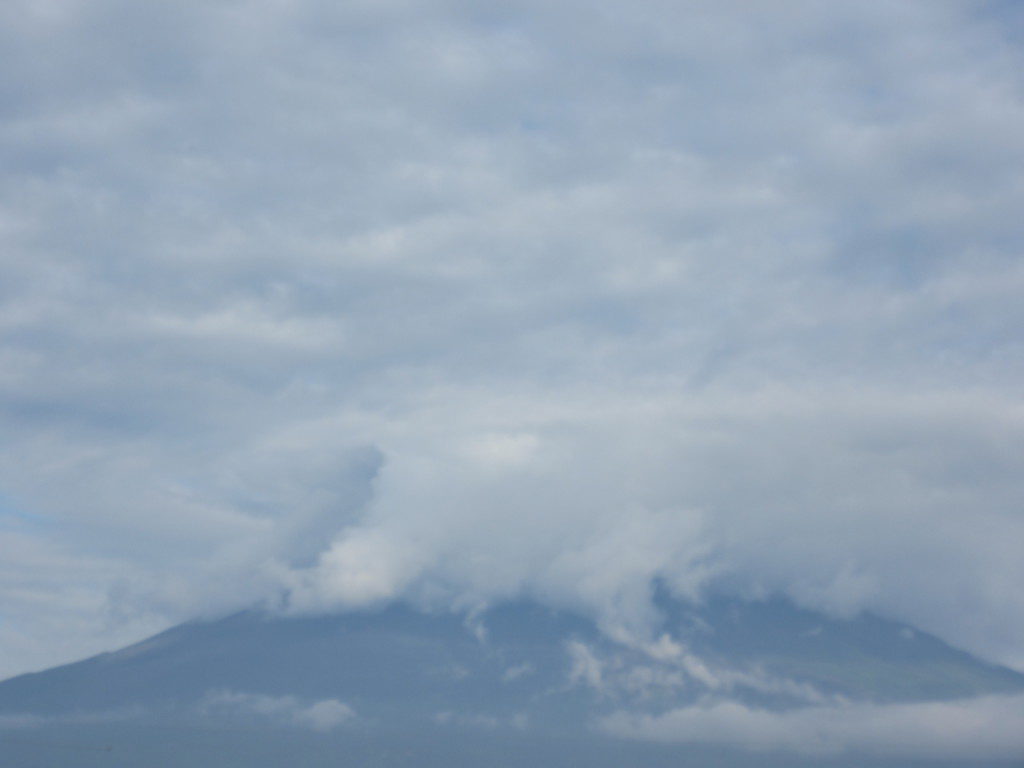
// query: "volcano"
[[728, 683]]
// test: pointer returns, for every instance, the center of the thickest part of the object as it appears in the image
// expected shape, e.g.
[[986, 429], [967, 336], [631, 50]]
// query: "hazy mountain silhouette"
[[516, 685]]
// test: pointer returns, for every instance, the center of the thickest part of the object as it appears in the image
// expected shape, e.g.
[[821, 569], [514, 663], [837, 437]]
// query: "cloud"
[[649, 671], [325, 715], [17, 721], [986, 727], [844, 500], [518, 721], [518, 671], [322, 305]]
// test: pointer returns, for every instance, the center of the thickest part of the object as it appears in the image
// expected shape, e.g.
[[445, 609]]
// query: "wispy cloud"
[[75, 717]]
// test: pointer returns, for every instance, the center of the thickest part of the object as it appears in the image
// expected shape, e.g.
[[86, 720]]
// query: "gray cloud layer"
[[350, 301]]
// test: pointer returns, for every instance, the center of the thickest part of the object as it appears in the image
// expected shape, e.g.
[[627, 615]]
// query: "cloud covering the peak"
[[327, 304]]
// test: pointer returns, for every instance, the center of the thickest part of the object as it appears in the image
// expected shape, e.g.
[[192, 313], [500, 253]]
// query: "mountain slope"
[[519, 675]]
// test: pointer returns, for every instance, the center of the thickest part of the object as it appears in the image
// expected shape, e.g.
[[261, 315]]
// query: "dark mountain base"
[[107, 746]]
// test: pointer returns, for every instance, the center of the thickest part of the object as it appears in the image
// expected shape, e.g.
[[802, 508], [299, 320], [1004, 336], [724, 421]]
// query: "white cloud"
[[325, 715], [987, 727], [666, 666]]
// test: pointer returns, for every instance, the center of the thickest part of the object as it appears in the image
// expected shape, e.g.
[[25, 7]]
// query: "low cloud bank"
[[325, 715], [985, 727]]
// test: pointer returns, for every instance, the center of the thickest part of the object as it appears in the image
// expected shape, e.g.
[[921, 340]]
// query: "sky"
[[319, 305]]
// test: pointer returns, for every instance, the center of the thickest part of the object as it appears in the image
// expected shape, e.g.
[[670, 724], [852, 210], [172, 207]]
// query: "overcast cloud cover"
[[324, 303]]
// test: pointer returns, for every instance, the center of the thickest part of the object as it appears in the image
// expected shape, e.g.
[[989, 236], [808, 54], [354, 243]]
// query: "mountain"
[[520, 684]]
